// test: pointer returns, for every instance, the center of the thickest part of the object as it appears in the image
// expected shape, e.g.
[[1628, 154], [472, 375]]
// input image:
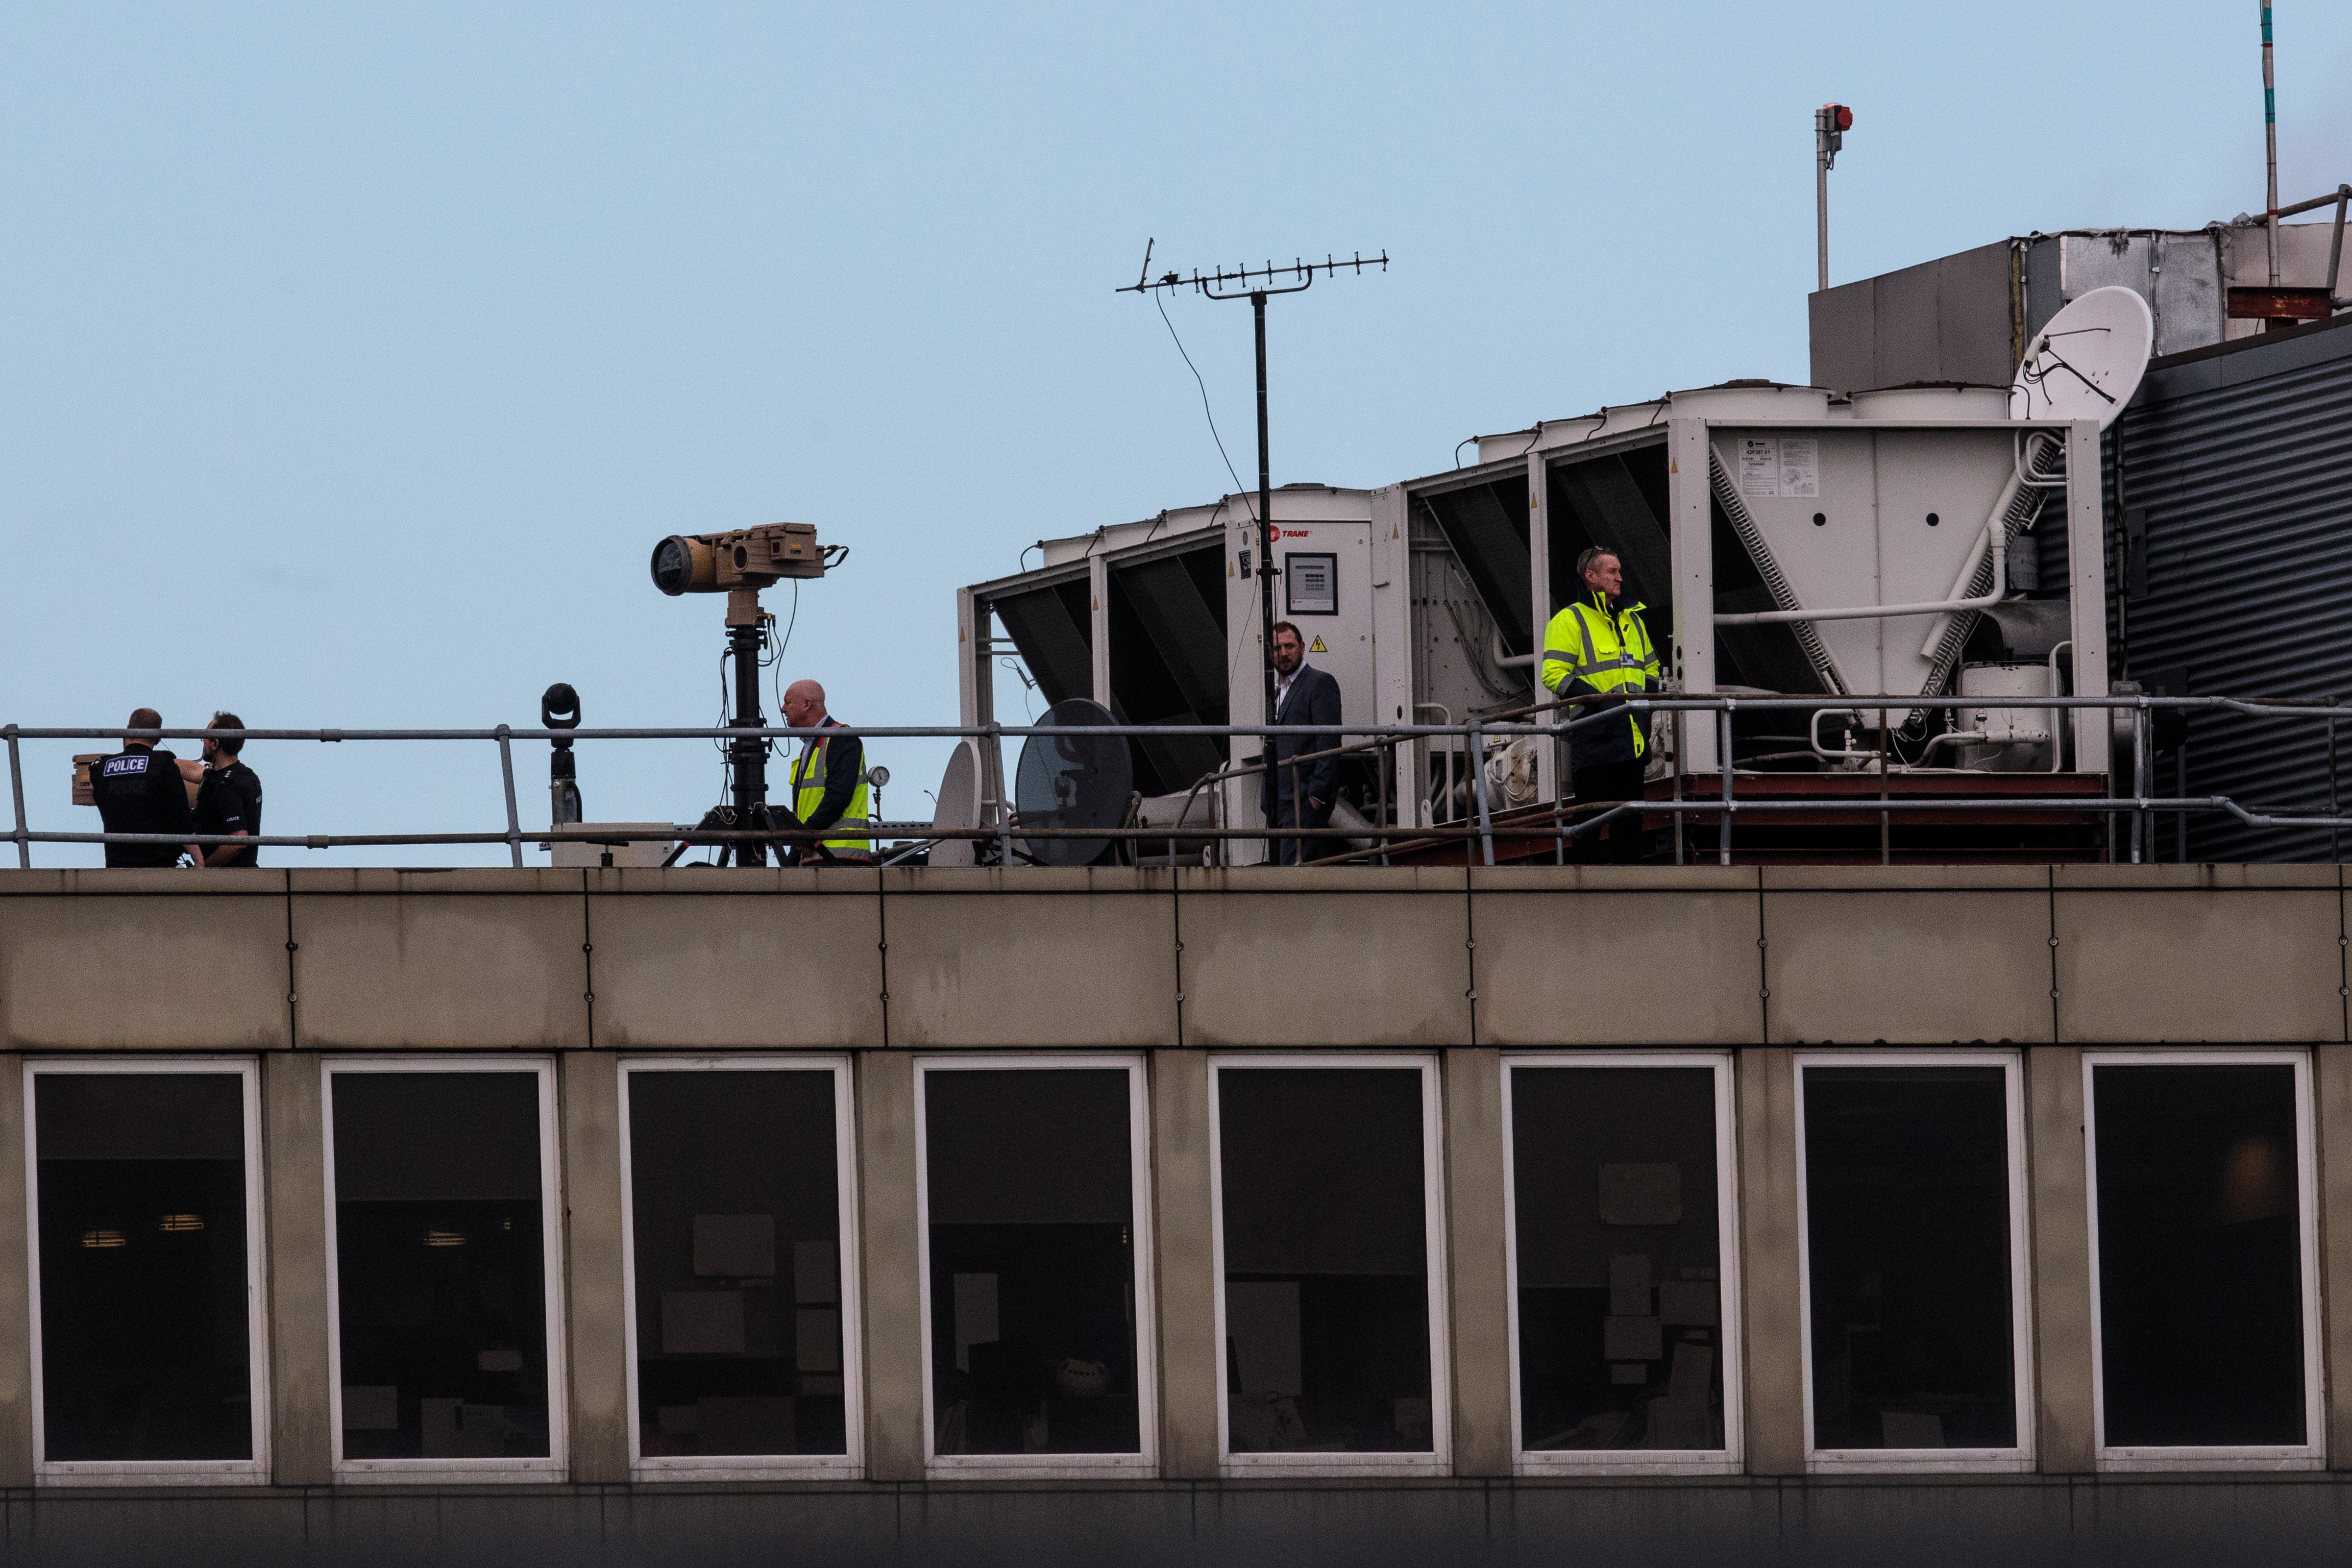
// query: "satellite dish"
[[1073, 780], [2087, 361], [958, 806]]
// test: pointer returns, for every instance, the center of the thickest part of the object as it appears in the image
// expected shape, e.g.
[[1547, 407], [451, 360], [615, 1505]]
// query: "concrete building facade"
[[1474, 978]]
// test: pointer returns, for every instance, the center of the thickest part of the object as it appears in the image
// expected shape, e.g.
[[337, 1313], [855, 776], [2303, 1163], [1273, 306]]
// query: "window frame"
[[2020, 1457], [849, 1465], [1731, 1458], [2309, 1455], [556, 1466], [1439, 1460], [1051, 1466], [255, 1471]]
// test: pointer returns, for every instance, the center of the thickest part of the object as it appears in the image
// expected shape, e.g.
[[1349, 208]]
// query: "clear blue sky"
[[352, 358]]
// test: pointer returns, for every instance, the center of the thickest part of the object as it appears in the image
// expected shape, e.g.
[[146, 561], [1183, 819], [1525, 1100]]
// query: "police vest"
[[1608, 653], [808, 794]]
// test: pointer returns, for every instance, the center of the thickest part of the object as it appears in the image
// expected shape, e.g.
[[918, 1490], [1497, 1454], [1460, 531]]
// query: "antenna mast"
[[1256, 284], [2270, 140]]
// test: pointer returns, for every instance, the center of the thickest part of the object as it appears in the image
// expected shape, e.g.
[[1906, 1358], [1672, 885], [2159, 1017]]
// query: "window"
[[146, 1287], [2203, 1259], [442, 1224], [1623, 1291], [1912, 1233], [1033, 1184], [1328, 1241], [742, 1323]]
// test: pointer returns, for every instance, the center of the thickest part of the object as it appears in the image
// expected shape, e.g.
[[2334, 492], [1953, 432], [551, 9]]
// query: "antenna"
[[1256, 284], [2270, 140], [2086, 363]]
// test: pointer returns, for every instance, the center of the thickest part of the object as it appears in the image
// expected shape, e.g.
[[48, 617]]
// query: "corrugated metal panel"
[[2244, 464]]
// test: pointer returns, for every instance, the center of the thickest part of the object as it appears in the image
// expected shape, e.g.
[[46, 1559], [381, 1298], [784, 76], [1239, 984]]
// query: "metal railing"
[[1722, 809]]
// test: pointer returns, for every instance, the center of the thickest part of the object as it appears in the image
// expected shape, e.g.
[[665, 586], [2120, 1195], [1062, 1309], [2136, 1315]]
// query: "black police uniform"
[[229, 801], [139, 791]]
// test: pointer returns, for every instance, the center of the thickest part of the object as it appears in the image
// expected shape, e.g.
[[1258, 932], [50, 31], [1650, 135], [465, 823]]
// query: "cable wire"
[[1203, 385]]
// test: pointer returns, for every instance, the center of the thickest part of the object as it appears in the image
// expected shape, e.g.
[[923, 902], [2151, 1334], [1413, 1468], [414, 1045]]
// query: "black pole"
[[749, 757], [1266, 553]]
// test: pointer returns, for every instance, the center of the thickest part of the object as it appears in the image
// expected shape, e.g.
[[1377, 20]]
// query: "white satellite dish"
[[2087, 361], [958, 806]]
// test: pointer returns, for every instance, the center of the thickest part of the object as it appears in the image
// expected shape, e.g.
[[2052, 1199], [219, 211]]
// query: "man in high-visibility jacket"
[[1597, 646], [828, 782]]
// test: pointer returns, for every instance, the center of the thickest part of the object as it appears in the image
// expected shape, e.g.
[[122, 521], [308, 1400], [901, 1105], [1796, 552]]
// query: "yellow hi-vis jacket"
[[808, 794], [1587, 649]]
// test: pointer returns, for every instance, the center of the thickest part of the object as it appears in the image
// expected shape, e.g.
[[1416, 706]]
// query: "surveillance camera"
[[748, 558]]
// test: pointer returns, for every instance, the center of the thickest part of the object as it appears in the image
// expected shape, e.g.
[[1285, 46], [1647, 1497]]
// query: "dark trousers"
[[1292, 851], [1623, 841]]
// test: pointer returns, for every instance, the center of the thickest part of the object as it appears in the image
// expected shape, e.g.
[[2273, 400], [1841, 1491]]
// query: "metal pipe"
[[1507, 660], [2270, 140], [17, 790], [1723, 834], [2140, 780], [2336, 248], [1486, 817], [514, 817], [1675, 774], [2058, 727]]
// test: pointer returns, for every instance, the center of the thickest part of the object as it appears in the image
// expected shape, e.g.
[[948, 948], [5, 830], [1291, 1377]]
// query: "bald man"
[[828, 782]]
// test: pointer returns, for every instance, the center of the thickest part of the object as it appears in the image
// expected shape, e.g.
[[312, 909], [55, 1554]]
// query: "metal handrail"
[[1484, 827]]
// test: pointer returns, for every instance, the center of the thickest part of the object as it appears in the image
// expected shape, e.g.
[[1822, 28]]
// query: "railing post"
[[2139, 779], [1486, 818], [1003, 807], [514, 817], [1677, 777], [16, 789], [1723, 834], [2334, 835]]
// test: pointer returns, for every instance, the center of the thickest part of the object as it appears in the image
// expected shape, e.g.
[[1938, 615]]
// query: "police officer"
[[1595, 647], [228, 801], [828, 782], [139, 790]]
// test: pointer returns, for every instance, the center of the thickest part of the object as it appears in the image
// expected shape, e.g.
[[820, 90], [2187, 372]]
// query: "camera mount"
[[739, 564]]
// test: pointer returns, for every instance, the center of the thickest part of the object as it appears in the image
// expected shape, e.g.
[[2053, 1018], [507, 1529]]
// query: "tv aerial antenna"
[[1257, 285]]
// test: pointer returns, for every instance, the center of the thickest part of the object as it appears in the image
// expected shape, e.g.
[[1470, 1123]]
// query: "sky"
[[353, 358]]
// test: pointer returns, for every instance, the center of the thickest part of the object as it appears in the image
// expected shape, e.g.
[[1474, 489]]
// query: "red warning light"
[[1840, 117]]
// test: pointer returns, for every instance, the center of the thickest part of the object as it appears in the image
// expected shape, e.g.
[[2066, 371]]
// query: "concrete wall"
[[295, 966]]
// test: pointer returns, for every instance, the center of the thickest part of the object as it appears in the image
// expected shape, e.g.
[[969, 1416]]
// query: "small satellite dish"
[[1073, 780], [958, 806], [2087, 361]]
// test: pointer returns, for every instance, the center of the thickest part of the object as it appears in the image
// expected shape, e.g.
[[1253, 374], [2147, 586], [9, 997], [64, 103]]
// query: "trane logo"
[[1290, 533]]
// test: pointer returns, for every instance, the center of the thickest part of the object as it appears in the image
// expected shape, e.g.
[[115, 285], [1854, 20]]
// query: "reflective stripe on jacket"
[[1587, 649], [808, 795]]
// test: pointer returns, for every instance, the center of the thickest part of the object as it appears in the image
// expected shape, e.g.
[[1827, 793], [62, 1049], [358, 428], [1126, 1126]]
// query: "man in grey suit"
[[1305, 697]]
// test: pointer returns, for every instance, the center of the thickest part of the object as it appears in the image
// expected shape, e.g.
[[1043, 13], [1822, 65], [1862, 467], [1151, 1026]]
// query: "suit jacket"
[[1313, 704]]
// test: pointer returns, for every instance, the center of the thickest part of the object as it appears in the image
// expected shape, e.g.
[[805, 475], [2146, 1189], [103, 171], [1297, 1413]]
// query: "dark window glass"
[[2201, 1259], [441, 1264], [737, 1203], [1620, 1300], [1033, 1261], [1326, 1259], [145, 1338], [1906, 1215]]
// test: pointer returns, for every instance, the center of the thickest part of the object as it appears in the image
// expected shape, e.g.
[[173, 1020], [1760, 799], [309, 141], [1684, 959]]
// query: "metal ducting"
[[1167, 660], [1051, 627], [2229, 485]]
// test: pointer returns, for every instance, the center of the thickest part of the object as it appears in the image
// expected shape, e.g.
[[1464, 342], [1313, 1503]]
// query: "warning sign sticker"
[[1317, 646]]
